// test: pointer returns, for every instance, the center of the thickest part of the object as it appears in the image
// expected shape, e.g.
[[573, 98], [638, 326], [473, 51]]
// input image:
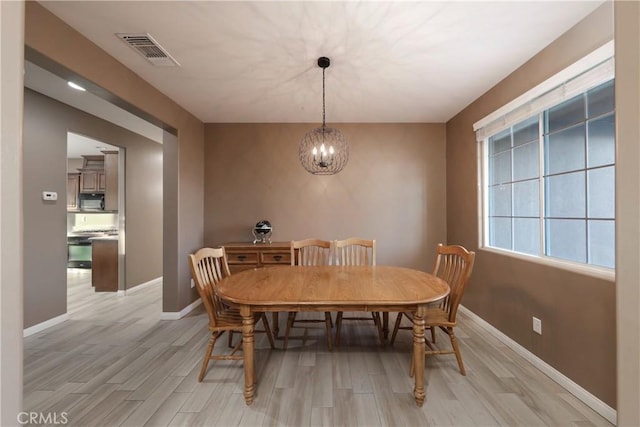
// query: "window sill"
[[587, 270]]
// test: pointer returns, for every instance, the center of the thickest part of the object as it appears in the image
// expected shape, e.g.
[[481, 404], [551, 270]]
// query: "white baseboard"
[[176, 315], [44, 325], [152, 282], [589, 399]]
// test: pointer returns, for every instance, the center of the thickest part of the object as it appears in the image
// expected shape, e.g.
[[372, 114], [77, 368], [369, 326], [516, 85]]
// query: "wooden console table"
[[244, 256]]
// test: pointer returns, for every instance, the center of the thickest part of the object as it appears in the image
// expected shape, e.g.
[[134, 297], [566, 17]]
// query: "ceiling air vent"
[[146, 46]]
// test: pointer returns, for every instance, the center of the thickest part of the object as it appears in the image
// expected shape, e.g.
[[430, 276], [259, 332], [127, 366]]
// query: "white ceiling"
[[391, 61], [80, 145]]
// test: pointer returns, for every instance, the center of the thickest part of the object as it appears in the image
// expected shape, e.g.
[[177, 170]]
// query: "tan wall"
[[627, 18], [49, 36], [46, 123], [577, 311], [391, 190]]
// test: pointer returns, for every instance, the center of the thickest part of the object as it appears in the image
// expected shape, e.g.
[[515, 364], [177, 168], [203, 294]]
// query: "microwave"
[[91, 201]]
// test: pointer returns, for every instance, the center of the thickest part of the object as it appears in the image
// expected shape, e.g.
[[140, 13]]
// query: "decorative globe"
[[262, 232], [263, 227]]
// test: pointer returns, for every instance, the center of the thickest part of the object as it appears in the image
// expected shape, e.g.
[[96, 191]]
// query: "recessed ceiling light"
[[76, 86]]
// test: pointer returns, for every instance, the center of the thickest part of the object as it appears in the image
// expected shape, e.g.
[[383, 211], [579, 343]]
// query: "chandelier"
[[323, 150]]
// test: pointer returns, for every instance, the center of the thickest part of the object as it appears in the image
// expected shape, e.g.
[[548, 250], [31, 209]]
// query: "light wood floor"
[[116, 363]]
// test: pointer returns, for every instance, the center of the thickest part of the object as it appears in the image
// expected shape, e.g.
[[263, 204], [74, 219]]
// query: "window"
[[514, 188], [549, 179]]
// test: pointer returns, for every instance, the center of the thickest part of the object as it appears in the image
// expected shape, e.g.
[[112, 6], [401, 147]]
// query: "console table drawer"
[[242, 258], [275, 258]]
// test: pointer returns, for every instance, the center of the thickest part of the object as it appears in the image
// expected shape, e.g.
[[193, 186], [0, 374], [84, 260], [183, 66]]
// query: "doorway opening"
[[95, 218]]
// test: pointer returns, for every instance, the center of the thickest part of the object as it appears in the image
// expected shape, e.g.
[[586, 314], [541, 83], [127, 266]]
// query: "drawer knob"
[[277, 257], [241, 257]]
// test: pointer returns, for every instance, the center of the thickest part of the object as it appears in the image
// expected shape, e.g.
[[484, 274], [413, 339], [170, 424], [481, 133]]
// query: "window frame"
[[483, 179]]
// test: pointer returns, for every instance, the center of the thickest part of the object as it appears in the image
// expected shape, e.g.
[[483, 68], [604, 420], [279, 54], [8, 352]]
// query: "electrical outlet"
[[537, 325], [193, 284]]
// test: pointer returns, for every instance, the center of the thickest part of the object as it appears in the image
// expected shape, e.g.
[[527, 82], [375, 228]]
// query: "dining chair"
[[454, 265], [355, 251], [309, 252], [208, 267]]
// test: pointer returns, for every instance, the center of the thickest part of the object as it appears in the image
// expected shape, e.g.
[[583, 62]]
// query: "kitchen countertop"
[[91, 235], [91, 211]]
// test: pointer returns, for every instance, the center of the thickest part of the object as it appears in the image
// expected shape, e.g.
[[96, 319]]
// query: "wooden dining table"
[[332, 288]]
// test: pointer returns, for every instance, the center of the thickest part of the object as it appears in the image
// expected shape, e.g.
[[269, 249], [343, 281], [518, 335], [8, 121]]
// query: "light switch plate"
[[49, 195]]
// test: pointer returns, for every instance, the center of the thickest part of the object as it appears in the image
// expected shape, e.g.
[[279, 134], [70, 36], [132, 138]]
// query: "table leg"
[[274, 320], [385, 324], [247, 349], [418, 356]]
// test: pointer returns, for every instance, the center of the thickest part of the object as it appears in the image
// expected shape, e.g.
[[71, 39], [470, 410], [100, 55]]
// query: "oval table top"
[[332, 285]]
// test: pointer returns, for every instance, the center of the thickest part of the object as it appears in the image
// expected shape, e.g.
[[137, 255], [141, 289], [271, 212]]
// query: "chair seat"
[[437, 317], [230, 318]]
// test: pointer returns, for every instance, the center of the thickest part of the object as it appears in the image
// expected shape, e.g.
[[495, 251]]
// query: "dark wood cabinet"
[[99, 174], [243, 256], [104, 264]]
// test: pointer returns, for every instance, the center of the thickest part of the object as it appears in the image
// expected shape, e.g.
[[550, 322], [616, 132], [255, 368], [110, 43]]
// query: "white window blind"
[[592, 70]]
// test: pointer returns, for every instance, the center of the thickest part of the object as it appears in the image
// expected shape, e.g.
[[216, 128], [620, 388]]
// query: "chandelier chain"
[[323, 103]]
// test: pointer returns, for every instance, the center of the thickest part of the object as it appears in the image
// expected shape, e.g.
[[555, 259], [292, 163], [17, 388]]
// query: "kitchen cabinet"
[[104, 264], [73, 187], [99, 174], [92, 176], [93, 181], [243, 256]]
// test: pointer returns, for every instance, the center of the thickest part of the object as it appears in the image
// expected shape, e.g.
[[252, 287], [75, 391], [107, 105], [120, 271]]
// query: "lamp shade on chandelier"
[[323, 150]]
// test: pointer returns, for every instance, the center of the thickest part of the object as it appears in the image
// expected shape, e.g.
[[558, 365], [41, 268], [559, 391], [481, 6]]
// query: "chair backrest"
[[355, 251], [310, 252], [453, 265], [208, 267]]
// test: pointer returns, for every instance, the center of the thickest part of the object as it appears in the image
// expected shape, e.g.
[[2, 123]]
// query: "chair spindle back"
[[354, 251], [310, 252], [208, 267], [453, 265]]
